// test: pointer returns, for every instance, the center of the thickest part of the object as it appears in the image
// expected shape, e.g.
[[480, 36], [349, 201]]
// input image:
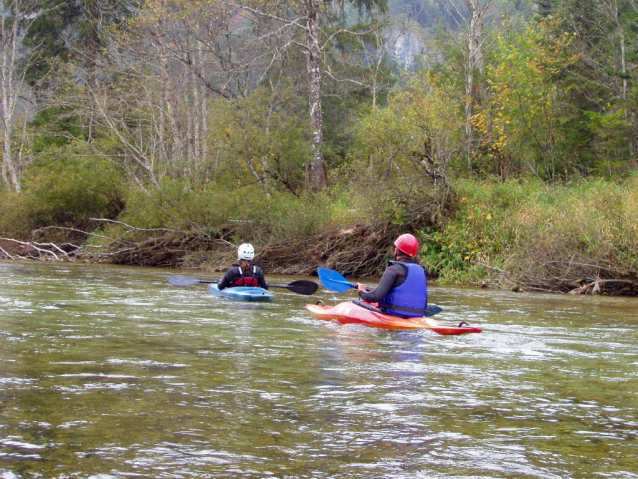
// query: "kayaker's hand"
[[361, 287]]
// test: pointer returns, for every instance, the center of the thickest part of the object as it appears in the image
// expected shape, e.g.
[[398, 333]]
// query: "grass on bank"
[[562, 235]]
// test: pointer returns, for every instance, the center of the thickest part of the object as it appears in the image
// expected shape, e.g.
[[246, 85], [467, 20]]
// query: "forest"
[[502, 133]]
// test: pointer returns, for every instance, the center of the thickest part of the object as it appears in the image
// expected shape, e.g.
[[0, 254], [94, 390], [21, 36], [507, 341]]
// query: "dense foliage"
[[284, 121]]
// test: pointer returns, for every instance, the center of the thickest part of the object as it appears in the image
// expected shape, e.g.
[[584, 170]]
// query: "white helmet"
[[246, 251]]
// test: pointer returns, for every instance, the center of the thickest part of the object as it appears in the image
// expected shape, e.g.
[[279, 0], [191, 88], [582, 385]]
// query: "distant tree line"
[[285, 96]]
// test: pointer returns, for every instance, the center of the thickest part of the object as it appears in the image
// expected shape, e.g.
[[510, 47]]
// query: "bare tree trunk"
[[5, 172], [170, 98], [204, 128], [317, 167], [200, 111], [474, 64], [469, 131], [191, 119], [197, 122], [14, 59], [611, 10], [631, 138], [12, 170]]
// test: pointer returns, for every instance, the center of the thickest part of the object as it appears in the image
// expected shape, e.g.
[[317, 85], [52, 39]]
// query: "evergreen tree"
[[73, 30], [600, 124]]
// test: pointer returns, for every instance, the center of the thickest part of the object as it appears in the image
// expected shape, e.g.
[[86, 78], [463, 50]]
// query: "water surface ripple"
[[110, 372]]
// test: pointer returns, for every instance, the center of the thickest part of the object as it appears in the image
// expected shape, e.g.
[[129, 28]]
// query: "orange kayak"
[[348, 312]]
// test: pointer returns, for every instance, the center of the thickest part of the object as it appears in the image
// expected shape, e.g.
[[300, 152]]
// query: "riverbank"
[[518, 235], [575, 237]]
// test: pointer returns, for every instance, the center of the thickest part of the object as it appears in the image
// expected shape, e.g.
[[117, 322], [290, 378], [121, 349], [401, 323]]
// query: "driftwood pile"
[[570, 277], [360, 251]]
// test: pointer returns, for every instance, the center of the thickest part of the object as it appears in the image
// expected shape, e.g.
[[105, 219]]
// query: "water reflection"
[[111, 372]]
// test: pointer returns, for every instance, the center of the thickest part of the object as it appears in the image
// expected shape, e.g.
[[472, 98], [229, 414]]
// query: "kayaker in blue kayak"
[[244, 273], [403, 289]]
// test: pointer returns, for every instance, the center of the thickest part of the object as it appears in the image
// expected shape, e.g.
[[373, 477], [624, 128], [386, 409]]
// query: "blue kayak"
[[242, 293]]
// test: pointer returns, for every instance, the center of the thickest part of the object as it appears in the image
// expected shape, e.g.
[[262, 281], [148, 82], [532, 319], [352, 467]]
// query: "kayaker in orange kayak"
[[244, 273], [402, 290]]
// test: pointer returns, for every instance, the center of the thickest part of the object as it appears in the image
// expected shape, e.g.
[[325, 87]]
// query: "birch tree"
[[313, 53], [473, 14], [240, 43], [16, 18], [315, 49], [198, 52], [310, 19]]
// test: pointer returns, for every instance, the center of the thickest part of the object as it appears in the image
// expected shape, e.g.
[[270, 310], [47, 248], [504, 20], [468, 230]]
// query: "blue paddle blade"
[[334, 281]]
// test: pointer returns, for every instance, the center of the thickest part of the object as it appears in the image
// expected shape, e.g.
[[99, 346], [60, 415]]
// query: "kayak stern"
[[243, 293]]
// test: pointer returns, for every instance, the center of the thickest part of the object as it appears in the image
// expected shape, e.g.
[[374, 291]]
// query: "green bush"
[[64, 192], [479, 232], [176, 206], [285, 217], [241, 214]]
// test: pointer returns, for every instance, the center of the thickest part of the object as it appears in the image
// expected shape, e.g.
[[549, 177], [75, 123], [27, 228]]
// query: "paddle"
[[334, 281], [300, 287]]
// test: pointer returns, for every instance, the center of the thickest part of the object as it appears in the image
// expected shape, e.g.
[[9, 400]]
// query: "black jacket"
[[234, 274]]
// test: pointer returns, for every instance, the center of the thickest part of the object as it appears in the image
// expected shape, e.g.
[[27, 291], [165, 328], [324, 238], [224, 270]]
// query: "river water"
[[110, 372]]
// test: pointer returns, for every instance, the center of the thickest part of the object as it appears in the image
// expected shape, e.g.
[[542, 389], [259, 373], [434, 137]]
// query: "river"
[[111, 372]]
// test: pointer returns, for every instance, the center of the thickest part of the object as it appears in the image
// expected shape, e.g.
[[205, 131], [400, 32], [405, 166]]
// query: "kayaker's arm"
[[389, 280], [261, 278]]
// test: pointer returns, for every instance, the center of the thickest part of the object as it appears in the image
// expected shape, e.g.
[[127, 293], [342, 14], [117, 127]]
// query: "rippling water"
[[110, 372]]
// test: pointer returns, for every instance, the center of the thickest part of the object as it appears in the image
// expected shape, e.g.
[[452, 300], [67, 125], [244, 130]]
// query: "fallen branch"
[[41, 248], [75, 230], [6, 254], [132, 228], [596, 286], [502, 271]]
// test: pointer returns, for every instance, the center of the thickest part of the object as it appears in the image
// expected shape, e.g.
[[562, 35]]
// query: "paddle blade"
[[431, 310], [299, 287], [334, 281], [303, 287], [185, 281]]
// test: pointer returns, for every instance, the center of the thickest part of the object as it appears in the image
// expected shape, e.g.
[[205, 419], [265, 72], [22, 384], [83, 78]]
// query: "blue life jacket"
[[410, 299]]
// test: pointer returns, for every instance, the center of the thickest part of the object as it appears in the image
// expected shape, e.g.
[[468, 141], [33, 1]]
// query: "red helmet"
[[407, 244]]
